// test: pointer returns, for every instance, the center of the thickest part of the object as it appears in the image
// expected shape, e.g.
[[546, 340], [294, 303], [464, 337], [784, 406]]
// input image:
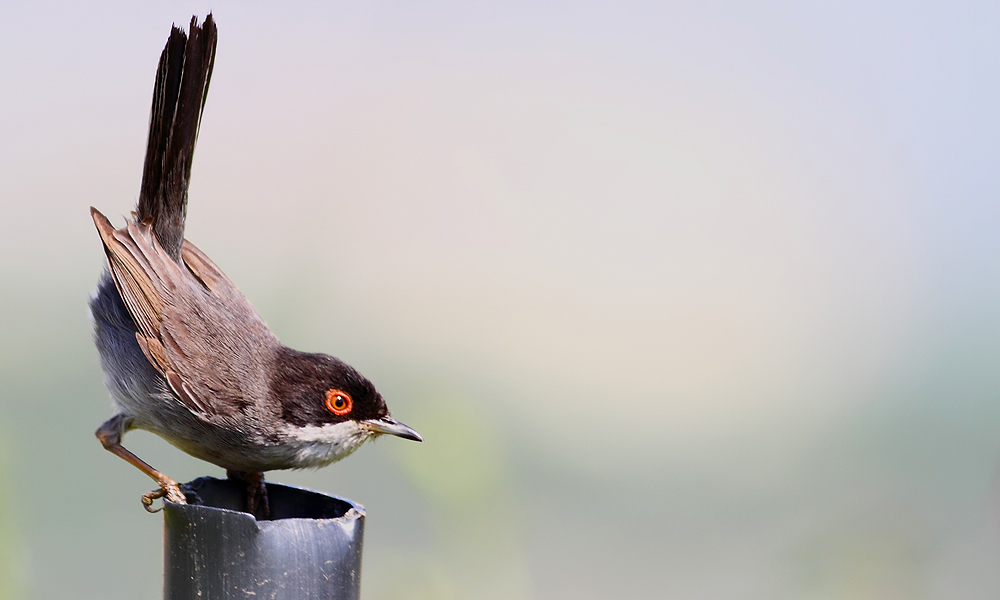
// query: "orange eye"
[[339, 402]]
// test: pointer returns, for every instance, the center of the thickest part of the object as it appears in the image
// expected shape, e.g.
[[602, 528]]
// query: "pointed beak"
[[393, 427]]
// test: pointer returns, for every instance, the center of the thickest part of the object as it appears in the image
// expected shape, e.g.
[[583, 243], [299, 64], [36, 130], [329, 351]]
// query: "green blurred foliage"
[[13, 550], [477, 507]]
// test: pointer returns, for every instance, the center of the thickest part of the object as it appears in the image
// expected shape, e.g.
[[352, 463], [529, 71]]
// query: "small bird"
[[184, 354]]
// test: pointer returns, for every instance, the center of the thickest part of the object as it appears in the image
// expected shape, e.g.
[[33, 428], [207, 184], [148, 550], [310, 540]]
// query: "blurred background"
[[689, 300]]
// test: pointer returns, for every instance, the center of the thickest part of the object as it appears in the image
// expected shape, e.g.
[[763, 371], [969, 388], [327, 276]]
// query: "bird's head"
[[328, 408]]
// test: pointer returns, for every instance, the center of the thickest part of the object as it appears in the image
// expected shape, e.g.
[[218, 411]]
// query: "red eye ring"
[[339, 402]]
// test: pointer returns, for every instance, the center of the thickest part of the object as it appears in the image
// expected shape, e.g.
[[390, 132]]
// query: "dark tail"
[[178, 100]]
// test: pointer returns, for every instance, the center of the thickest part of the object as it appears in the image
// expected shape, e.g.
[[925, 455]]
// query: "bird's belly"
[[222, 444]]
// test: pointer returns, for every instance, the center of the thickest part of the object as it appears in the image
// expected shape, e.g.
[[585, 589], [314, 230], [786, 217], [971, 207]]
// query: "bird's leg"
[[256, 492], [110, 434]]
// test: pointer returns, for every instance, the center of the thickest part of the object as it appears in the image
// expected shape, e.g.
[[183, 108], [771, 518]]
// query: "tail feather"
[[182, 80]]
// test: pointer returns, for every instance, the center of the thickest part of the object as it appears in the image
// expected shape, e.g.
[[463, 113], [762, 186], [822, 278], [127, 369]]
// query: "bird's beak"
[[393, 427]]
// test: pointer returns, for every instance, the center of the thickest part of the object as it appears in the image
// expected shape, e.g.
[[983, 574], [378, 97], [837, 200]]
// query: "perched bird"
[[185, 355]]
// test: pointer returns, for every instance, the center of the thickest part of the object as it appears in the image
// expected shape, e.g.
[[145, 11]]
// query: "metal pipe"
[[310, 548]]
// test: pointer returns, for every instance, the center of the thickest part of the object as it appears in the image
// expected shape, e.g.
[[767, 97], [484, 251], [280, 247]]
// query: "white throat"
[[320, 445]]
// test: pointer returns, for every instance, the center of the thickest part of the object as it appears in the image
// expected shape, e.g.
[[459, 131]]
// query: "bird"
[[185, 355]]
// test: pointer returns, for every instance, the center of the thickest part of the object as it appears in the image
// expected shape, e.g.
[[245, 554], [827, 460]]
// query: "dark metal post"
[[309, 549]]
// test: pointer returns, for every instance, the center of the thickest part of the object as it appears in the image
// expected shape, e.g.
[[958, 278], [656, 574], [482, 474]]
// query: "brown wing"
[[193, 325], [212, 276], [131, 271]]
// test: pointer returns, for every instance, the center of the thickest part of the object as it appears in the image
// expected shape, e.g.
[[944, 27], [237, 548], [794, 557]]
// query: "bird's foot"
[[169, 490], [257, 503]]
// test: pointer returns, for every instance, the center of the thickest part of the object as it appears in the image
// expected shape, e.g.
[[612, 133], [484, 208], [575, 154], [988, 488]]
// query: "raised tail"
[[178, 100]]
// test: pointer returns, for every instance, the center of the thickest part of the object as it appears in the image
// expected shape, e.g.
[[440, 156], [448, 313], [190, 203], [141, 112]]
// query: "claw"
[[147, 500], [170, 490]]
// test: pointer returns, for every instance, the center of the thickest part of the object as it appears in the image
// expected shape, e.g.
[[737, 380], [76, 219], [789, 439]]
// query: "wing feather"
[[193, 324]]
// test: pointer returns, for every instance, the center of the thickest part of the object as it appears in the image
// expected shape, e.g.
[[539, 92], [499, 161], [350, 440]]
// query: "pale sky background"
[[691, 300]]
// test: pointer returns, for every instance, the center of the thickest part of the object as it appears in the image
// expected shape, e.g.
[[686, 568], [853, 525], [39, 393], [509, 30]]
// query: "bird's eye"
[[339, 402]]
